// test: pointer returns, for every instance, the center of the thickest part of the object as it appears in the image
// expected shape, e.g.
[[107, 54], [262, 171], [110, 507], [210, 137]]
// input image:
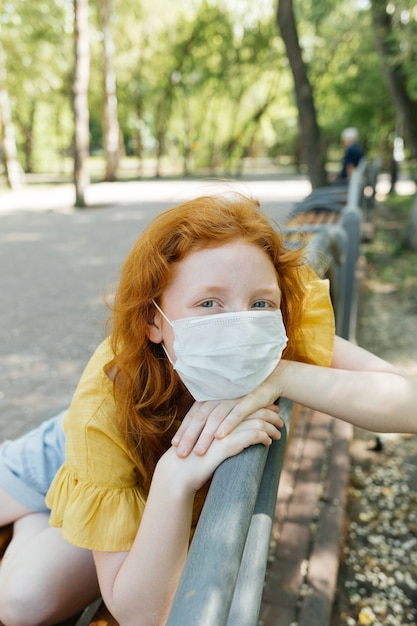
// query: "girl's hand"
[[264, 396], [204, 420], [192, 471]]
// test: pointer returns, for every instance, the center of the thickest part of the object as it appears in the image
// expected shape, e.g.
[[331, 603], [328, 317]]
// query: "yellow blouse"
[[316, 341], [95, 497]]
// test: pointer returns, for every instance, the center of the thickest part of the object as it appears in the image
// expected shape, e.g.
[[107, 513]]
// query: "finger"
[[216, 417], [245, 435], [191, 427], [269, 414], [266, 394], [202, 421], [185, 423], [249, 405], [261, 426]]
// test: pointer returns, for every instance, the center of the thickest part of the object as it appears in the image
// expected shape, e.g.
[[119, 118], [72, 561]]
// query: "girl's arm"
[[359, 388], [138, 586]]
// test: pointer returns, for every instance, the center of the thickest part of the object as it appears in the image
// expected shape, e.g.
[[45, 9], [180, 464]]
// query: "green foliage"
[[402, 204], [346, 74], [210, 77], [37, 42], [204, 82], [385, 254], [403, 43]]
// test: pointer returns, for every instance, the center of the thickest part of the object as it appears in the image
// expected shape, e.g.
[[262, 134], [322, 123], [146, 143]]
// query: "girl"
[[208, 302]]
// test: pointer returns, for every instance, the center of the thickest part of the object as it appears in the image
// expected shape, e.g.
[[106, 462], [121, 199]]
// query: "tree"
[[110, 121], [344, 69], [181, 51], [206, 84], [38, 67], [410, 240], [80, 100], [313, 149], [11, 163], [227, 88], [394, 67]]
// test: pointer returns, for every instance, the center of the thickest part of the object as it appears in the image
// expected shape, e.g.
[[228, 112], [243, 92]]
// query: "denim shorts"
[[29, 464]]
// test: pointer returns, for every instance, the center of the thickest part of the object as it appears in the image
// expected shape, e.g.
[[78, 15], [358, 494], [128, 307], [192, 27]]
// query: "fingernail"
[[219, 433], [199, 449]]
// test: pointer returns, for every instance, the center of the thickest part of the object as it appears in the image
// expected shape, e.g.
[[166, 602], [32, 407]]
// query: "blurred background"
[[112, 89]]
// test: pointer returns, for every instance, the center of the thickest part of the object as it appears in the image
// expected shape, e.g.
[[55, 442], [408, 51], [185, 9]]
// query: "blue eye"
[[208, 304], [261, 304]]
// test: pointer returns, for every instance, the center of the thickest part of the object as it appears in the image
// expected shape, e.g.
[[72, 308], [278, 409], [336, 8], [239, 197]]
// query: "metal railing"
[[223, 578]]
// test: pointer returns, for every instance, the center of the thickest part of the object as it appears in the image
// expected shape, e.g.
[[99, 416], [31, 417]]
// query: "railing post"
[[206, 587], [225, 570], [356, 185], [351, 222], [247, 597]]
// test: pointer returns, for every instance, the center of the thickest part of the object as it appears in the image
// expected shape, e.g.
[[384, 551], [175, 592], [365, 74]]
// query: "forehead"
[[230, 259]]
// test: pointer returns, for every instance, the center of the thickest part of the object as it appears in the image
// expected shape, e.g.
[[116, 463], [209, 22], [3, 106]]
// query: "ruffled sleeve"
[[315, 342], [95, 497], [92, 516]]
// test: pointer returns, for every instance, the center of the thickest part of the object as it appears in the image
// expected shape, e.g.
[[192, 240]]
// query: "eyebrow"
[[259, 291], [266, 288]]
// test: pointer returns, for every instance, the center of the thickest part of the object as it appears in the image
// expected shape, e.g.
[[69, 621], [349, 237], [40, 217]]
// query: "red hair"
[[146, 388]]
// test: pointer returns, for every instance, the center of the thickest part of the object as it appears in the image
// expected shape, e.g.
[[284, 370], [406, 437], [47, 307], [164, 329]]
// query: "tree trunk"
[[388, 47], [26, 129], [14, 174], [313, 150], [110, 121], [410, 240], [80, 100], [239, 146]]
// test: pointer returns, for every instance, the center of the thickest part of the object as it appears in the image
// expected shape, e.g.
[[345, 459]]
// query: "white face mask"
[[226, 355]]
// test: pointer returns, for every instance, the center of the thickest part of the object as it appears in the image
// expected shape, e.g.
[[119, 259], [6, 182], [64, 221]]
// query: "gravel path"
[[378, 574]]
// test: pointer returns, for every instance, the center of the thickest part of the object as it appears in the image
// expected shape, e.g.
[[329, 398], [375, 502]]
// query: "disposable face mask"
[[226, 355]]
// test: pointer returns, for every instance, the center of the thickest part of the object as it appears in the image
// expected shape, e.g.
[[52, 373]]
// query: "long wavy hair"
[[146, 388]]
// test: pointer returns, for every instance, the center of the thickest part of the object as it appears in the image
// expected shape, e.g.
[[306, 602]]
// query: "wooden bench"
[[324, 205], [332, 218]]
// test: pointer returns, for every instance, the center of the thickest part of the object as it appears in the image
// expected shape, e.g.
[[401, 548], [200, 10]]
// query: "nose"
[[237, 306]]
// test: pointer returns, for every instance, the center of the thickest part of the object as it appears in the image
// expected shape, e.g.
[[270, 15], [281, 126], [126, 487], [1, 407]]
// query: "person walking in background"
[[352, 155]]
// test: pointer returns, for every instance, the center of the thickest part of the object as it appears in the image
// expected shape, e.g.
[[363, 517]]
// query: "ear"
[[154, 328]]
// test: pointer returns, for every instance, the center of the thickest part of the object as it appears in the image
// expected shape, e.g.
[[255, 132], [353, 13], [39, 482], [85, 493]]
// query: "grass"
[[388, 262]]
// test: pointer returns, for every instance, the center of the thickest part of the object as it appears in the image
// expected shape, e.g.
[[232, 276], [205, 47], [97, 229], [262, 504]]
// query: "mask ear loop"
[[162, 313], [170, 323]]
